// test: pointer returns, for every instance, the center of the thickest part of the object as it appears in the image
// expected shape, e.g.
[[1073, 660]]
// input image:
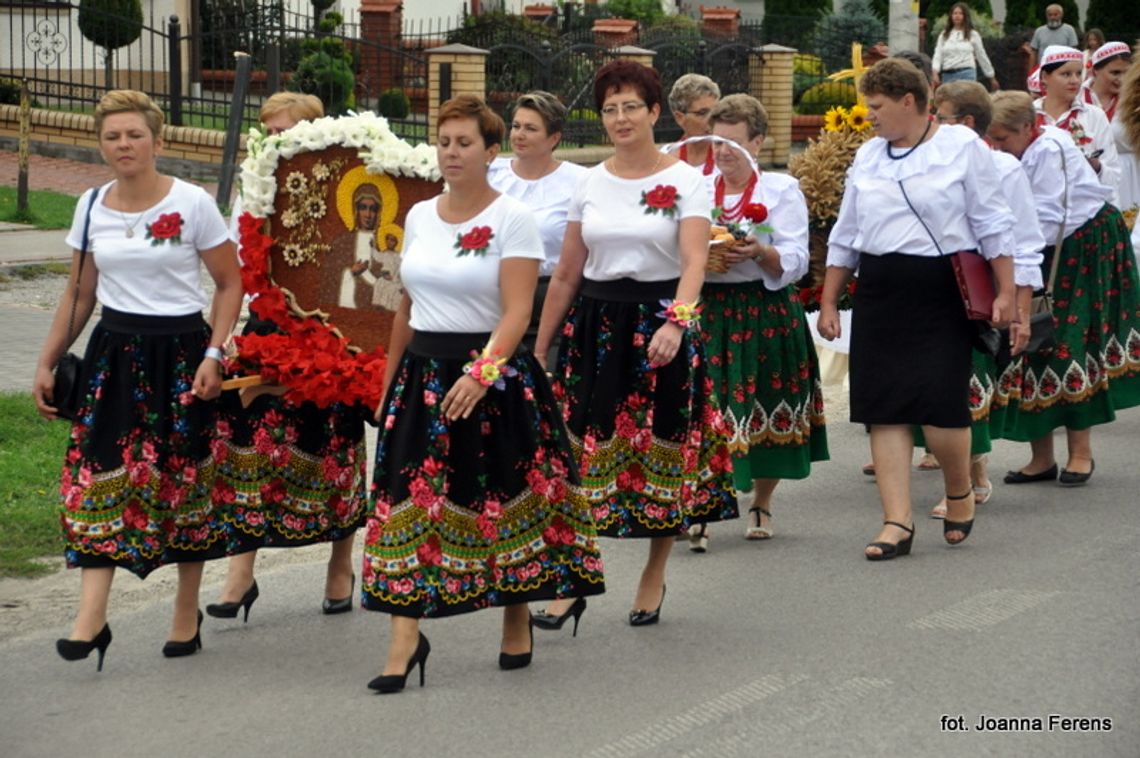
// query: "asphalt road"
[[796, 647]]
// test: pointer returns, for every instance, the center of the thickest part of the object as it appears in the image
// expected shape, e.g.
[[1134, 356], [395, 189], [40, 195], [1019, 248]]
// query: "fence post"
[[702, 57], [547, 54], [635, 54], [174, 75], [233, 129], [465, 70], [273, 67], [770, 70], [24, 149]]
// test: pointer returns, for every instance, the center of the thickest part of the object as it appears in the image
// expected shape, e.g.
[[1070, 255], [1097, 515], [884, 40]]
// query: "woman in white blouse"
[[473, 487], [761, 356], [1063, 107], [542, 182], [1126, 129], [915, 194], [1107, 89], [1088, 375], [139, 471], [631, 368], [959, 52]]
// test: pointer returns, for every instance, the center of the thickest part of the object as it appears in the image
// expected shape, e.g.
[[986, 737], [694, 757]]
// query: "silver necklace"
[[130, 225]]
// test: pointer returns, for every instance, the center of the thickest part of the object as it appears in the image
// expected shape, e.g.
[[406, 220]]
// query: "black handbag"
[[67, 392]]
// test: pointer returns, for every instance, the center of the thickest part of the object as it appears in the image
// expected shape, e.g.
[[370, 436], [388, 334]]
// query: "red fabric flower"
[[474, 242], [167, 227], [429, 553], [662, 197], [756, 212]]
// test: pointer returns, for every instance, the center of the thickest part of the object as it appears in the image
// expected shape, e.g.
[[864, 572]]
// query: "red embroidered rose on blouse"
[[167, 227], [661, 199], [474, 242]]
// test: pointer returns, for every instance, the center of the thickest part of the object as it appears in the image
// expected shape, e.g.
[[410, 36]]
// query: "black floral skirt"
[[137, 478], [651, 445], [289, 474], [475, 512]]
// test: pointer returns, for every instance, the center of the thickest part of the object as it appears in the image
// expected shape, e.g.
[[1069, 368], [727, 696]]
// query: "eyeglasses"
[[625, 109], [948, 119], [702, 113]]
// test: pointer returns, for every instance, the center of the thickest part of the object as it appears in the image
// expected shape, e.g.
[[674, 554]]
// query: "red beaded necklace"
[[736, 212], [683, 154]]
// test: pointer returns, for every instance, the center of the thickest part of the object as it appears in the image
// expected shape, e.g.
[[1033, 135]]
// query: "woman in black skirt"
[[915, 195], [291, 474], [474, 503], [651, 445], [139, 469]]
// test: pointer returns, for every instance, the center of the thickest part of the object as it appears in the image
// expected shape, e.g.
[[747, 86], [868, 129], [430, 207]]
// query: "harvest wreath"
[[308, 358]]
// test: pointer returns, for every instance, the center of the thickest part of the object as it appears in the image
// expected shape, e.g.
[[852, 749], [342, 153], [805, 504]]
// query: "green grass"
[[31, 457], [46, 210]]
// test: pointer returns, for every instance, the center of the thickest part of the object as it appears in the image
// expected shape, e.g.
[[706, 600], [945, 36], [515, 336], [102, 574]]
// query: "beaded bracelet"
[[684, 315], [488, 371]]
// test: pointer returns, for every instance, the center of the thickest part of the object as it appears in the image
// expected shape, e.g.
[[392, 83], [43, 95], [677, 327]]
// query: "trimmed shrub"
[[393, 103], [856, 22], [1114, 17]]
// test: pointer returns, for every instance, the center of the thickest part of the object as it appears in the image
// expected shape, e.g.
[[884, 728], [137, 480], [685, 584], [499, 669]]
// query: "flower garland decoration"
[[822, 172], [661, 199], [488, 370], [475, 242], [167, 228]]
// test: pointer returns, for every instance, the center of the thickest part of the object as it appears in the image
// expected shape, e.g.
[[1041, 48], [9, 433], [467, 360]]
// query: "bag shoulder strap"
[[920, 219], [82, 257]]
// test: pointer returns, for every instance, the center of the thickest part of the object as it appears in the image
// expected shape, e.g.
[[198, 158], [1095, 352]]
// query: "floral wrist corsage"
[[684, 315], [489, 371]]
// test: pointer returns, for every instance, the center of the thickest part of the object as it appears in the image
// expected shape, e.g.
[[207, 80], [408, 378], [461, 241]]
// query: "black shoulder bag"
[[67, 393]]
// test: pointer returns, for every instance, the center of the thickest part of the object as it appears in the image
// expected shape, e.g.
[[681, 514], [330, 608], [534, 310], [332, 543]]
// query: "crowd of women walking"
[[591, 369]]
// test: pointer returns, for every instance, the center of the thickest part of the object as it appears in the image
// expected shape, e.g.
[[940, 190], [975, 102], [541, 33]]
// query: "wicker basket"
[[717, 262]]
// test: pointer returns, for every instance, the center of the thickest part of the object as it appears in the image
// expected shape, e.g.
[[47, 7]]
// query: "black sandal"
[[889, 550], [956, 526], [759, 532]]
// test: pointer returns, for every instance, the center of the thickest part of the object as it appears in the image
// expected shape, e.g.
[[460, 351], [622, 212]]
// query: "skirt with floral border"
[[137, 479], [1094, 370], [651, 445], [475, 512], [765, 375], [289, 474]]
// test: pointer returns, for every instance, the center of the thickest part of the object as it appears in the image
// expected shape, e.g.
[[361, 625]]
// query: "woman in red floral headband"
[[631, 369], [473, 489], [761, 357], [136, 482]]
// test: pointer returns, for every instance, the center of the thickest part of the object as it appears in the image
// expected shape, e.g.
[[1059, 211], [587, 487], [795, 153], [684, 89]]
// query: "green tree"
[[326, 68], [1031, 13], [855, 22], [645, 11], [1114, 17], [110, 24], [940, 8]]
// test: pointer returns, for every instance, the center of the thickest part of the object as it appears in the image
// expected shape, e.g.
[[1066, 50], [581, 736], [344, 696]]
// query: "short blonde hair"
[[690, 87], [129, 101], [1013, 110], [298, 105], [741, 109]]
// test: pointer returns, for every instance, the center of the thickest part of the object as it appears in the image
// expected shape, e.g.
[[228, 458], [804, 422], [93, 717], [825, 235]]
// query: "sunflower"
[[834, 119], [294, 254], [857, 118], [315, 208], [296, 183]]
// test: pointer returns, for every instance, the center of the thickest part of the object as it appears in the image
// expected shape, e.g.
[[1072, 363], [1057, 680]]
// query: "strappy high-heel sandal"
[[759, 532], [956, 526], [699, 538], [890, 550]]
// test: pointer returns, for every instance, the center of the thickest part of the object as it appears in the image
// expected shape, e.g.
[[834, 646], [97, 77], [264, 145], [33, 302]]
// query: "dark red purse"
[[976, 283]]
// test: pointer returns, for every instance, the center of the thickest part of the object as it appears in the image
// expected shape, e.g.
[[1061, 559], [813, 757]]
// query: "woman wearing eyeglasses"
[[292, 475], [631, 369], [691, 101]]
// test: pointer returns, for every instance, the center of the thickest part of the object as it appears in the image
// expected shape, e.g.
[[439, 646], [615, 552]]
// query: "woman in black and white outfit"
[[915, 183]]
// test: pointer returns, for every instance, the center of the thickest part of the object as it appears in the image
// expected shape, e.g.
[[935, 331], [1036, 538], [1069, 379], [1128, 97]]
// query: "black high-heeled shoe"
[[511, 661], [230, 610], [638, 617], [176, 649], [395, 682], [77, 650], [343, 605], [956, 526], [889, 550], [544, 620]]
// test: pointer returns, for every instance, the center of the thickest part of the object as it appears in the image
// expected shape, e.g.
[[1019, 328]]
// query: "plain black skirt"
[[910, 343]]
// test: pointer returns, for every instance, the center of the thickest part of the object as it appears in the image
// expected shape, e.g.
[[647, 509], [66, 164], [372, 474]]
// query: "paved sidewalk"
[[63, 175]]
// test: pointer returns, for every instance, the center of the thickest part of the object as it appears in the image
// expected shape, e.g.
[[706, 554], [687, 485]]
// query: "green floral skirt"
[[765, 376], [1094, 370]]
